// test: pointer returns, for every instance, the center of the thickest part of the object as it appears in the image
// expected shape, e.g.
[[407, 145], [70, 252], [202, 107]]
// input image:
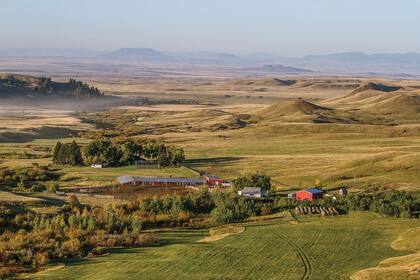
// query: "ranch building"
[[213, 180], [253, 192], [159, 181], [309, 194]]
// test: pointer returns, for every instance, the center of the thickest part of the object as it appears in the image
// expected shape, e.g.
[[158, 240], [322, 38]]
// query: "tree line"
[[30, 240], [120, 153]]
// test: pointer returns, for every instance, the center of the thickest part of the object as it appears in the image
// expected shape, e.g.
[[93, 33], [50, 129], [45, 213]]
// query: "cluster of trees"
[[230, 208], [221, 207], [252, 180], [29, 240], [388, 203], [83, 89], [67, 154], [35, 178], [116, 154]]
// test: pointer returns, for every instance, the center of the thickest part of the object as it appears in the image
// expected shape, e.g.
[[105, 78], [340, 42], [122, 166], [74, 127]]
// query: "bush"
[[52, 186], [37, 187]]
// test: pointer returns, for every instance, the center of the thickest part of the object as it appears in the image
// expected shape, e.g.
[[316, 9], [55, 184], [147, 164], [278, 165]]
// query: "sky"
[[282, 27]]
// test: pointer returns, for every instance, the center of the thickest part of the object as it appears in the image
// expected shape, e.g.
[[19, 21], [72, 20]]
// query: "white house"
[[253, 192]]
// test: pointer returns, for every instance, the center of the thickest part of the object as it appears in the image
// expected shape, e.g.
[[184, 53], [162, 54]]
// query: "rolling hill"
[[294, 106]]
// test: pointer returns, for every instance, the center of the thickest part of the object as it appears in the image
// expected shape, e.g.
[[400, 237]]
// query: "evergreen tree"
[[55, 152]]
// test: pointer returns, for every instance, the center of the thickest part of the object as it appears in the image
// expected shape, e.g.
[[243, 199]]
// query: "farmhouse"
[[159, 181], [253, 192], [309, 194]]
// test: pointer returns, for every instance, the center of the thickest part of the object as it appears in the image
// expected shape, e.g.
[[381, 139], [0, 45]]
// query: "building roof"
[[132, 179], [251, 190], [212, 177], [314, 190]]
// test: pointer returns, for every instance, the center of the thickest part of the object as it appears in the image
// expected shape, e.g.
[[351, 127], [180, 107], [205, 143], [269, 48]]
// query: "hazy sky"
[[292, 27]]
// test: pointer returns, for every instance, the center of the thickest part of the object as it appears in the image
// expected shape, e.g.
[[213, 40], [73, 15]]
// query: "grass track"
[[317, 248]]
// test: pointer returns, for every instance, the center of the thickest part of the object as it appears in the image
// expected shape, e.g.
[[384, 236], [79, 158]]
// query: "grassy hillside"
[[315, 248]]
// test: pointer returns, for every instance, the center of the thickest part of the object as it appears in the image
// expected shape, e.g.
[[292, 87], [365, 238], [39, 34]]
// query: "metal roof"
[[131, 179], [125, 179], [314, 190], [251, 190], [213, 177]]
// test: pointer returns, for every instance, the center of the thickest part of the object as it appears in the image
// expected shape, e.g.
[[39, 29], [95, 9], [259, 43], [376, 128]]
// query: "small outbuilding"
[[310, 194], [342, 191], [253, 192]]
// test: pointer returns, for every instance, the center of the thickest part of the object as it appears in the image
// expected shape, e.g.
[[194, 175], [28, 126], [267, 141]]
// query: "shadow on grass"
[[48, 200], [206, 161]]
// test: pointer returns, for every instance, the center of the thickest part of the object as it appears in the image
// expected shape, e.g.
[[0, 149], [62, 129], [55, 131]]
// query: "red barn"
[[213, 180], [309, 194]]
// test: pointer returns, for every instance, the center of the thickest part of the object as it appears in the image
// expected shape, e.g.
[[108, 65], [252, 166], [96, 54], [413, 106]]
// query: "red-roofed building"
[[213, 180], [309, 194]]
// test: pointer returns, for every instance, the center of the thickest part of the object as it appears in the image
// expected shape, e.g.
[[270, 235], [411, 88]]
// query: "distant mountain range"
[[403, 65], [277, 68]]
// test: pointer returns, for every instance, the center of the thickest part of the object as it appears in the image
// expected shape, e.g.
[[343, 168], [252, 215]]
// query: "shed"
[[97, 165], [309, 194], [342, 191]]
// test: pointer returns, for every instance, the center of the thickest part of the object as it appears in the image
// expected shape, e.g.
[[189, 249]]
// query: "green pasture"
[[316, 248]]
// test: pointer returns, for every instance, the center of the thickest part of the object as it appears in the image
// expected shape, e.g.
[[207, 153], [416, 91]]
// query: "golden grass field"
[[342, 131]]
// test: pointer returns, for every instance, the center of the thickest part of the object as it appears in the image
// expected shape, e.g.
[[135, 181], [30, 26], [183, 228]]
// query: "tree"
[[253, 180], [178, 156], [75, 157], [55, 152], [67, 154], [102, 150], [130, 152], [231, 209]]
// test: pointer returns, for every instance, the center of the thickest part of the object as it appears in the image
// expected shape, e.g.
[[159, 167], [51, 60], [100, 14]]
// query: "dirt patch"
[[222, 232]]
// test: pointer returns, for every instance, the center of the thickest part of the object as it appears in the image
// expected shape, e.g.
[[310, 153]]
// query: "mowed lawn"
[[316, 248]]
